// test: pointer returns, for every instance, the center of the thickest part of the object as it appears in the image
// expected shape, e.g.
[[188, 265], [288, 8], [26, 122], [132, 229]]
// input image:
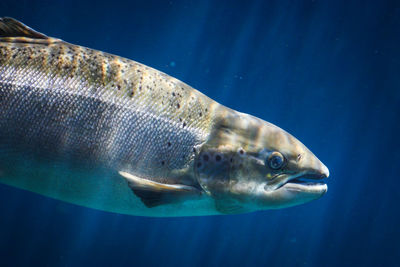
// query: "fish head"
[[248, 164]]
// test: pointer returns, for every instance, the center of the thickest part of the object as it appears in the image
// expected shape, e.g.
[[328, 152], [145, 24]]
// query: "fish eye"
[[275, 160]]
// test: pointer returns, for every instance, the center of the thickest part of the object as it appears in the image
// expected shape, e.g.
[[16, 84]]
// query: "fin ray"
[[153, 194], [10, 27]]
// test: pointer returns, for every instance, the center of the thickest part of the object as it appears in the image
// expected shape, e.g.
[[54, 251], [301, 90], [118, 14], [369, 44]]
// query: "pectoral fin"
[[153, 194]]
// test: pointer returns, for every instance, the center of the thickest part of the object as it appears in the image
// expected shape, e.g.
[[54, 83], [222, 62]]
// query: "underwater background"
[[325, 71]]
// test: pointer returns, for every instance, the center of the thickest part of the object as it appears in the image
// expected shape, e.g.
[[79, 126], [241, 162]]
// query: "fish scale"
[[116, 109]]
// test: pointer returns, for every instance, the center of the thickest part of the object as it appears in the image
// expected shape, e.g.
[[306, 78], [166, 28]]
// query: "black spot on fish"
[[163, 163], [178, 105], [218, 157], [169, 143], [194, 150], [198, 164], [173, 93], [184, 124], [200, 114], [298, 157]]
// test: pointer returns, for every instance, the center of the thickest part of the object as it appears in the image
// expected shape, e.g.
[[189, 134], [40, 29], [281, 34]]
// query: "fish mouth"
[[303, 182], [290, 190], [319, 188]]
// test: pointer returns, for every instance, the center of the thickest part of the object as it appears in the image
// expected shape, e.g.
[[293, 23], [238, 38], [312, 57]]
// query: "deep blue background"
[[326, 71]]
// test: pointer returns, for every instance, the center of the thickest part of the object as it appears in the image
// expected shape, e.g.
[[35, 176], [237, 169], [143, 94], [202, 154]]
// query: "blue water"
[[326, 71]]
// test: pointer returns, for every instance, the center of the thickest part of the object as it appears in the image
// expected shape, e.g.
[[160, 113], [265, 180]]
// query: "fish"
[[108, 133]]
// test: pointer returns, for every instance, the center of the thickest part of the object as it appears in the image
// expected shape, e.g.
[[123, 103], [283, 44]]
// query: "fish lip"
[[309, 176], [312, 188], [306, 181], [310, 182]]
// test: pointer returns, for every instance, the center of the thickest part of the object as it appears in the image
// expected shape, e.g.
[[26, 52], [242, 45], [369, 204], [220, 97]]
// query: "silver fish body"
[[98, 130]]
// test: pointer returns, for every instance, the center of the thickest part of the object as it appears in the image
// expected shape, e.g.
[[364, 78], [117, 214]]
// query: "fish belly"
[[92, 187]]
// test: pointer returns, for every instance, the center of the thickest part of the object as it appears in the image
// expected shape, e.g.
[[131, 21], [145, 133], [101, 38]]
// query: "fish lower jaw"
[[306, 187]]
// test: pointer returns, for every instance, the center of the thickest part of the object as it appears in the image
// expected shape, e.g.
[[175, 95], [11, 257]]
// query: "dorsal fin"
[[10, 27]]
